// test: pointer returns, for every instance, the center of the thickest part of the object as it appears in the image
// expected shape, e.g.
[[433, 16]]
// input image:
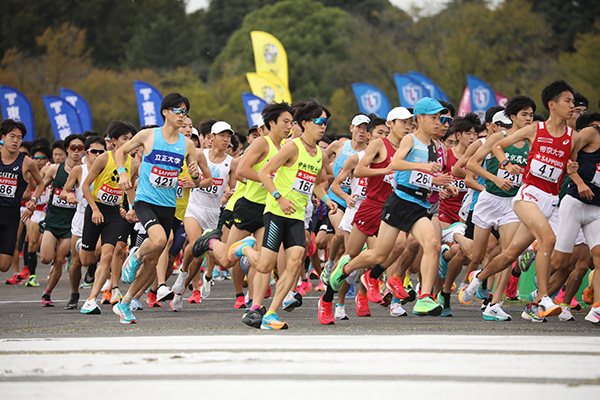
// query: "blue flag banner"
[[432, 89], [15, 106], [482, 96], [148, 102], [253, 106], [82, 107], [63, 117], [409, 90], [370, 99]]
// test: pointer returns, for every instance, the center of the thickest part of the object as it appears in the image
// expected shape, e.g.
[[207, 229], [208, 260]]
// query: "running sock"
[[565, 305], [329, 295], [208, 278], [484, 284], [377, 271], [31, 261], [255, 307], [339, 305], [162, 284], [127, 298], [269, 313], [446, 297], [516, 273], [47, 293], [305, 280], [239, 295]]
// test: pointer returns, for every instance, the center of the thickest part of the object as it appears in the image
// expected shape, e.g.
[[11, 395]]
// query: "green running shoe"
[[427, 306], [337, 277]]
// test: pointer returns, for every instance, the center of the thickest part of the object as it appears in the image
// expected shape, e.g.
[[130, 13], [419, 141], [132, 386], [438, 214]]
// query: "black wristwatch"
[[276, 195], [504, 163]]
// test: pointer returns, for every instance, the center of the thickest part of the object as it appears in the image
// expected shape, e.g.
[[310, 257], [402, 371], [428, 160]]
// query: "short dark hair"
[[87, 134], [518, 103], [489, 114], [58, 144], [539, 117], [553, 90], [42, 149], [149, 126], [585, 120], [204, 126], [173, 100], [451, 108], [310, 110], [375, 122], [271, 112], [94, 139], [41, 142], [73, 136], [27, 144], [466, 123], [581, 100], [116, 129], [9, 124], [327, 138]]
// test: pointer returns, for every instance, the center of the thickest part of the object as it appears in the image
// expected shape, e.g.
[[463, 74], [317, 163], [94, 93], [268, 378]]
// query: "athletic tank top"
[[159, 171], [358, 186], [210, 197], [81, 201], [380, 187], [547, 160], [338, 164], [435, 189], [589, 171], [12, 183], [517, 156], [240, 189], [296, 183], [183, 194], [415, 179], [105, 189], [55, 204], [255, 191]]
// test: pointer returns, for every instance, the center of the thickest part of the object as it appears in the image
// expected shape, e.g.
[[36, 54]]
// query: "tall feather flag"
[[270, 55], [371, 99]]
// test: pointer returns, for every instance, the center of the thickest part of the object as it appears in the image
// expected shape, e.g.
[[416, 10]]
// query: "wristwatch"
[[504, 163], [37, 200], [276, 195]]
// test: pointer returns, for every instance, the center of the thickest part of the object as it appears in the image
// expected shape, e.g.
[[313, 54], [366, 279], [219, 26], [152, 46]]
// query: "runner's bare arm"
[[474, 164], [527, 133], [399, 164], [320, 193], [458, 170], [327, 168], [141, 139], [372, 152], [72, 180], [346, 171], [254, 154], [97, 167], [203, 166]]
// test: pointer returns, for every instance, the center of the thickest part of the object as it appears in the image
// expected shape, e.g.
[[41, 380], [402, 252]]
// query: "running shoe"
[[362, 305], [269, 292], [237, 249], [396, 309], [387, 299], [588, 295], [337, 277], [412, 294], [179, 285], [123, 310], [593, 316], [32, 282], [448, 233], [482, 293], [73, 302], [426, 305], [240, 302], [530, 313], [24, 274], [340, 312], [115, 295], [327, 272], [135, 305], [485, 302], [272, 322], [78, 245], [565, 314], [164, 293], [245, 264], [202, 244], [90, 307], [372, 286], [195, 298], [446, 309], [304, 287], [106, 297], [312, 246], [560, 299], [351, 294], [130, 266], [575, 305], [206, 286], [15, 280], [467, 294], [526, 260], [512, 289], [443, 264], [495, 313], [46, 301], [152, 300], [547, 308], [177, 303], [325, 314], [294, 300], [254, 317], [312, 274], [320, 287], [394, 284]]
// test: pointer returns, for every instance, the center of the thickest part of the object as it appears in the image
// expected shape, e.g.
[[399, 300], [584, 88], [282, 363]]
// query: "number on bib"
[[109, 196], [545, 171], [515, 180], [421, 179], [8, 187], [58, 202], [163, 179], [460, 184], [304, 183]]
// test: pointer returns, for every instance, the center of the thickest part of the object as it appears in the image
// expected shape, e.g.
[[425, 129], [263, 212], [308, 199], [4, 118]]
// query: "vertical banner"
[[482, 96], [465, 103], [253, 106], [433, 89], [15, 106], [148, 102], [63, 117], [501, 99], [268, 87], [270, 55], [409, 90], [370, 99], [82, 107]]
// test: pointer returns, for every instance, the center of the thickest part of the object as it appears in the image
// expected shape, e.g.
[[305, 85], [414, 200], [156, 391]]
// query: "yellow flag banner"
[[270, 55], [268, 87]]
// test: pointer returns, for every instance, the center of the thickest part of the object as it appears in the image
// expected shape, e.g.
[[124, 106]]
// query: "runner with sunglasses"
[[56, 239]]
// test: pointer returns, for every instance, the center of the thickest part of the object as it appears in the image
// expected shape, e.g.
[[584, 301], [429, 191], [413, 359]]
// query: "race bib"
[[180, 189], [515, 180], [596, 179], [213, 190], [362, 189], [109, 196], [8, 187], [421, 179], [304, 183], [163, 179], [545, 171], [346, 184], [58, 202], [460, 184], [389, 178]]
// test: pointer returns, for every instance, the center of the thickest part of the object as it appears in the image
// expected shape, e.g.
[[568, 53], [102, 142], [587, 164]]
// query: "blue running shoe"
[[483, 294], [272, 322], [351, 292], [123, 310], [236, 249], [130, 266], [443, 264]]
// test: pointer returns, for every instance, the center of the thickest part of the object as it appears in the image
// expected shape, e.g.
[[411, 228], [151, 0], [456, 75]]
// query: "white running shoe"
[[466, 295], [340, 312], [177, 303], [448, 233], [135, 305], [205, 289], [547, 307], [593, 316], [495, 313], [396, 310], [179, 285], [164, 293], [90, 307], [566, 315]]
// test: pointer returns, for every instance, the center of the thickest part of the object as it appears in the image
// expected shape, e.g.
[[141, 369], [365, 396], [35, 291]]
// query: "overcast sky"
[[432, 5]]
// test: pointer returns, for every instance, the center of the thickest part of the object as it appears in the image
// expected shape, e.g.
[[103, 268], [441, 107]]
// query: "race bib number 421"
[[162, 178]]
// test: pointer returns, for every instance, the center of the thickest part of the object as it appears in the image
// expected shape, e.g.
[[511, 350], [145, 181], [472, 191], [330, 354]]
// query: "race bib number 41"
[[8, 187], [545, 171], [163, 179], [304, 183]]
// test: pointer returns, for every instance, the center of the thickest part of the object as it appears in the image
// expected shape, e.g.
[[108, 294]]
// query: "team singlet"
[[338, 164], [106, 185], [380, 187], [210, 197], [12, 182]]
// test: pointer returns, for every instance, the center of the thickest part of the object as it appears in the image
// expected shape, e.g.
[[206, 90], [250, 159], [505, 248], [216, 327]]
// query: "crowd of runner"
[[390, 213]]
